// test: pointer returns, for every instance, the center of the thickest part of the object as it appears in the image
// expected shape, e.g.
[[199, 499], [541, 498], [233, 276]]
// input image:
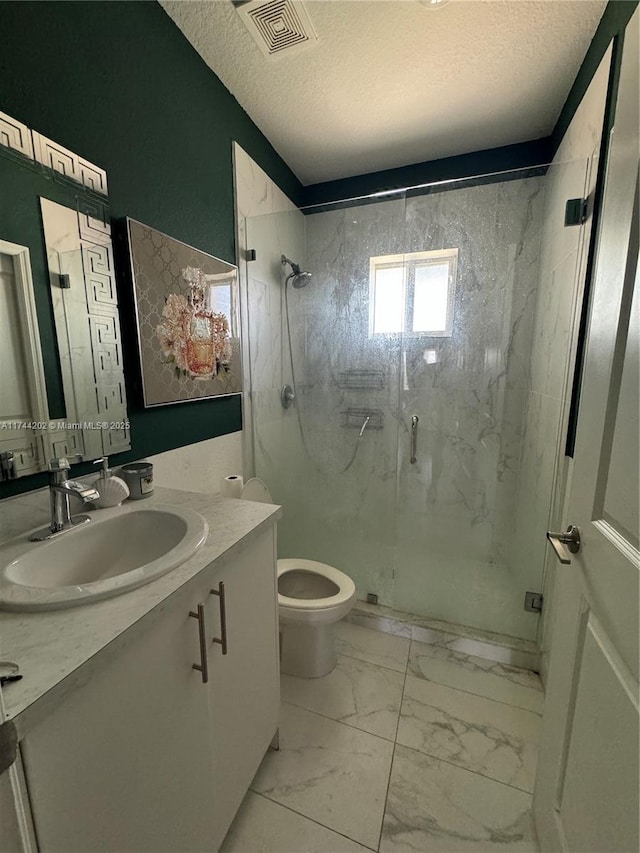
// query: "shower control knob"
[[287, 396]]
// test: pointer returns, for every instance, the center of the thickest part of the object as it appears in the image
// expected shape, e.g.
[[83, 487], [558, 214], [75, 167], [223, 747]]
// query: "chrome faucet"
[[59, 490]]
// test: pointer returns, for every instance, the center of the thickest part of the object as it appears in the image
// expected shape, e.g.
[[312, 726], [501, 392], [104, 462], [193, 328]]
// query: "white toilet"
[[312, 596]]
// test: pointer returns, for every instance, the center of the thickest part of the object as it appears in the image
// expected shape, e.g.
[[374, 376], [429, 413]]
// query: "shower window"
[[412, 294]]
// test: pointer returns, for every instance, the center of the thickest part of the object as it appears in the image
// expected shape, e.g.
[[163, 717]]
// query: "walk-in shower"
[[410, 458]]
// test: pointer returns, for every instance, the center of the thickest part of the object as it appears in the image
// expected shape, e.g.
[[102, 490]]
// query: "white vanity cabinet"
[[142, 755]]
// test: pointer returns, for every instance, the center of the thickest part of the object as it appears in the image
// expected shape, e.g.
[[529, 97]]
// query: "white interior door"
[[586, 795]]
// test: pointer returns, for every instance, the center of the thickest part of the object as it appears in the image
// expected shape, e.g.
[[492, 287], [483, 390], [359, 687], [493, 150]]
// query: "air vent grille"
[[278, 25]]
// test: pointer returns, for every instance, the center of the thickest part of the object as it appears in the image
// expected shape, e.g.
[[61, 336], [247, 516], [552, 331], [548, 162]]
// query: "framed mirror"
[[62, 392]]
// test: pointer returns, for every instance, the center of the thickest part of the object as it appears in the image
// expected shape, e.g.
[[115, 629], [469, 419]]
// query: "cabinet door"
[[124, 761], [244, 685]]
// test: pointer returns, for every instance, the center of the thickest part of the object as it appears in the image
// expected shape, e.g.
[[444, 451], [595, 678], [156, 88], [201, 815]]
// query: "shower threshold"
[[460, 639]]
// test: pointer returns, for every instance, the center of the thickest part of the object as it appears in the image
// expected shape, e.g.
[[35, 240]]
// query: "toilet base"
[[307, 650]]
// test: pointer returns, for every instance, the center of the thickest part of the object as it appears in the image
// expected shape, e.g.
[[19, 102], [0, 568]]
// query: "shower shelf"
[[363, 380], [354, 418]]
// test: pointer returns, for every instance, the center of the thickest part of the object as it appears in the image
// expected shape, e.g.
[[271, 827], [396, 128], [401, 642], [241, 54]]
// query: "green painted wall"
[[118, 83]]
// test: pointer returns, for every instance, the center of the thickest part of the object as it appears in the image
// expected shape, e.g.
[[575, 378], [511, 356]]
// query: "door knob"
[[565, 544]]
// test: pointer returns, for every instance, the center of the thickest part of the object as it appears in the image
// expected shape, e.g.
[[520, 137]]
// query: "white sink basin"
[[119, 550]]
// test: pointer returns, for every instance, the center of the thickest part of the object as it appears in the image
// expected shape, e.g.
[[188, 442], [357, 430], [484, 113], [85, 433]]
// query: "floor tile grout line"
[[372, 663], [391, 739], [386, 797], [339, 722], [334, 720], [468, 769], [469, 655], [393, 754], [313, 820], [381, 665], [471, 693], [479, 695]]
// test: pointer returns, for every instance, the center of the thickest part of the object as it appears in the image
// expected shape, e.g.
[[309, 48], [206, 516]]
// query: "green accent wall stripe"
[[615, 18], [523, 155]]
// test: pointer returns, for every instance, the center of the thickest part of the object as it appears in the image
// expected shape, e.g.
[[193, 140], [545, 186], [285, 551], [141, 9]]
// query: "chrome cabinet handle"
[[203, 666], [565, 544], [223, 617], [413, 439]]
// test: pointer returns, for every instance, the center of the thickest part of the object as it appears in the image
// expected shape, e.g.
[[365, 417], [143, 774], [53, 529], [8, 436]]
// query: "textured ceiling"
[[391, 82]]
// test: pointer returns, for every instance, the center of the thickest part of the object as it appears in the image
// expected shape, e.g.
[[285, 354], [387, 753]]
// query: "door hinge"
[[533, 602], [8, 744], [575, 211]]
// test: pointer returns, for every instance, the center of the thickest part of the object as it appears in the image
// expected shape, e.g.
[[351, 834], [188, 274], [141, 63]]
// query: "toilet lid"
[[255, 490]]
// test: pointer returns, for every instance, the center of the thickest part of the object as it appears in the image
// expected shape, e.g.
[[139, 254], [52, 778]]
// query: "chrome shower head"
[[299, 278]]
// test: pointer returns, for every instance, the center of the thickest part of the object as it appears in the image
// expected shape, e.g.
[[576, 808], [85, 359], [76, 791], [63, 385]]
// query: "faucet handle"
[[61, 464]]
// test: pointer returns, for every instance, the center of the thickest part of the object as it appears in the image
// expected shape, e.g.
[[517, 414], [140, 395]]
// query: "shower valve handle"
[[413, 439], [287, 396]]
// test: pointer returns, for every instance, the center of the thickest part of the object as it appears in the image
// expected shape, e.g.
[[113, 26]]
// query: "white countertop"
[[51, 646]]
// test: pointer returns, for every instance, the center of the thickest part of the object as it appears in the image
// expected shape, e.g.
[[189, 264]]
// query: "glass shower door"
[[441, 307], [330, 458], [464, 384]]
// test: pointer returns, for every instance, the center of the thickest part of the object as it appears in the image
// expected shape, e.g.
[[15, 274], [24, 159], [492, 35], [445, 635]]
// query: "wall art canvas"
[[188, 319]]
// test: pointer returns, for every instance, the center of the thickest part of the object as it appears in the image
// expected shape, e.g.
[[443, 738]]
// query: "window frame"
[[409, 262]]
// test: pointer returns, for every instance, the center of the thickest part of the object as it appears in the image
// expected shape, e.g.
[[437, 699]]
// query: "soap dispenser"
[[112, 490]]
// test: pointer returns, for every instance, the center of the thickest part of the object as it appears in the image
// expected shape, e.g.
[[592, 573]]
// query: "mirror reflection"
[[85, 308], [61, 385]]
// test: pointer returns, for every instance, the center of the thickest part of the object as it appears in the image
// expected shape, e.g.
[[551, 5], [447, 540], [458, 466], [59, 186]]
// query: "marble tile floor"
[[404, 747]]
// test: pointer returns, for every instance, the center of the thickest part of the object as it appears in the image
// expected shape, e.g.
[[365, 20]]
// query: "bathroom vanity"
[[143, 718]]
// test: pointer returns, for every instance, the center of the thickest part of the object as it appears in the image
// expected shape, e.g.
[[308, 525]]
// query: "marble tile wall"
[[456, 504], [199, 467], [432, 537], [267, 221], [544, 469]]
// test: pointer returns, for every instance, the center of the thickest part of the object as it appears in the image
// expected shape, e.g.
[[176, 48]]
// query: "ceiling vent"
[[277, 26]]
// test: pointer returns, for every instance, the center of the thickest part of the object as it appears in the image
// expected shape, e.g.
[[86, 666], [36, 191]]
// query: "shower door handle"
[[413, 439]]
